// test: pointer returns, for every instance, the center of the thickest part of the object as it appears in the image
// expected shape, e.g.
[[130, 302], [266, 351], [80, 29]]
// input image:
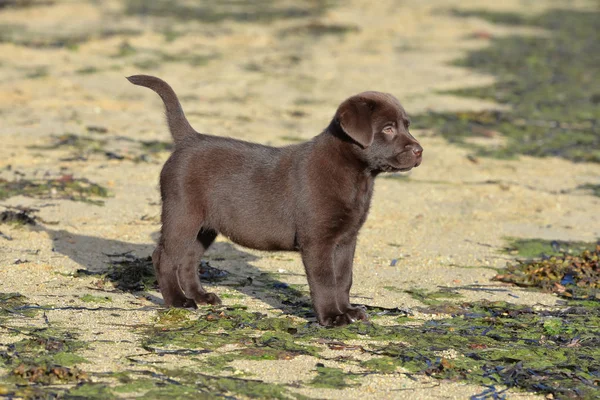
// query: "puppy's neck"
[[341, 146]]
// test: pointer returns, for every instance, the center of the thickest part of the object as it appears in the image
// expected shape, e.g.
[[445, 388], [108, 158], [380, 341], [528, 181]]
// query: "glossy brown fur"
[[311, 197]]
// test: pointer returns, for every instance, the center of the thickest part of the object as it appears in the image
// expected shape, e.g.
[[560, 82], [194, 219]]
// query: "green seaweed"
[[132, 274], [263, 11], [556, 326], [147, 64], [21, 217], [157, 146], [202, 384], [497, 343], [90, 391], [163, 384], [16, 4], [88, 298], [172, 316], [500, 343], [318, 29], [87, 70], [14, 304], [151, 59], [288, 342], [66, 187], [125, 50], [432, 298], [46, 356], [551, 84], [594, 188], [385, 365], [57, 38], [226, 326], [535, 248], [48, 345], [74, 142], [37, 72], [170, 35], [155, 59], [83, 146], [141, 385], [220, 363], [488, 343], [231, 296], [505, 18], [568, 275], [172, 391], [331, 378]]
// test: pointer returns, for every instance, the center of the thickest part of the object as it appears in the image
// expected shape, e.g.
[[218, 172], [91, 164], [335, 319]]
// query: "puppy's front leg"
[[343, 260], [319, 264]]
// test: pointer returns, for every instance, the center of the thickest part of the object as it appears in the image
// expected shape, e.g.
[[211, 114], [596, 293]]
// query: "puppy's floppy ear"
[[354, 116]]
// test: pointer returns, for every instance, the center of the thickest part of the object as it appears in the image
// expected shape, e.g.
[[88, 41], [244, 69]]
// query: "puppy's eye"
[[389, 130]]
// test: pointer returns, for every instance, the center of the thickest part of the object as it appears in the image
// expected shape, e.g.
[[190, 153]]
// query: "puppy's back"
[[243, 190]]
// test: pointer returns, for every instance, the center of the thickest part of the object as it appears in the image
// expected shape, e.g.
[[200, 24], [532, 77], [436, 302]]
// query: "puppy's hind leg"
[[166, 274], [177, 243], [188, 269]]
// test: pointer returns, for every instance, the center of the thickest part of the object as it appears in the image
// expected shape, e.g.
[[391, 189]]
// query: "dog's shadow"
[[99, 255]]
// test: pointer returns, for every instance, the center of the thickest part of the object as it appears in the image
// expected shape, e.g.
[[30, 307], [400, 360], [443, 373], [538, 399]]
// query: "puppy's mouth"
[[403, 166], [393, 168]]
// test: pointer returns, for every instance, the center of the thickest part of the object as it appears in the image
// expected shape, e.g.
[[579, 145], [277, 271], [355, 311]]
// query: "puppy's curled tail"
[[178, 123]]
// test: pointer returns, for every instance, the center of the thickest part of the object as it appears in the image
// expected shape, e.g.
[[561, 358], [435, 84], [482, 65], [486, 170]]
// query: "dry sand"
[[262, 85]]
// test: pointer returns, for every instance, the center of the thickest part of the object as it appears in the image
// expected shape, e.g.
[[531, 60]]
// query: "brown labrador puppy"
[[311, 197]]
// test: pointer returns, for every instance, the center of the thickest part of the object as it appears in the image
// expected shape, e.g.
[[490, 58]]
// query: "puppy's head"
[[378, 124]]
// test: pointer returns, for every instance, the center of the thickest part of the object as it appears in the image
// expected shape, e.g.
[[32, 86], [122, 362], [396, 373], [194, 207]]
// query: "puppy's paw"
[[189, 303], [342, 320], [180, 302], [351, 315], [208, 298], [357, 313]]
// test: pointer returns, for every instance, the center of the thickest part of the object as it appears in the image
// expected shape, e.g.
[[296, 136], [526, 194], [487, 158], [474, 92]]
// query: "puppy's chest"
[[357, 208], [363, 200]]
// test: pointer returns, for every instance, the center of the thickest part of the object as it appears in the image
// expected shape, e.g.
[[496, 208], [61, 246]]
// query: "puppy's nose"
[[417, 149]]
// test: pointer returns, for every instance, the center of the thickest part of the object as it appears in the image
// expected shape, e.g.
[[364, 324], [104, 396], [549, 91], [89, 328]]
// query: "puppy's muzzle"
[[417, 151]]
